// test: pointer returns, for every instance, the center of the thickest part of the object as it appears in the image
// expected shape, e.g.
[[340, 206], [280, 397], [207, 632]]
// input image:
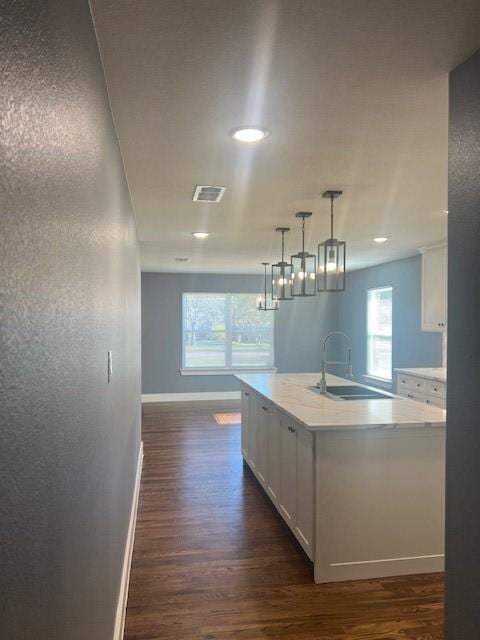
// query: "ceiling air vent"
[[205, 193], [180, 259]]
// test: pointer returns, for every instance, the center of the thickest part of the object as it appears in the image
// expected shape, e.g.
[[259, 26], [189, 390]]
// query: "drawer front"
[[412, 395], [436, 389], [437, 401], [419, 385], [404, 382]]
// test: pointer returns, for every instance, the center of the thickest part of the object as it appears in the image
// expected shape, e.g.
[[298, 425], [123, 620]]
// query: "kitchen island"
[[359, 482]]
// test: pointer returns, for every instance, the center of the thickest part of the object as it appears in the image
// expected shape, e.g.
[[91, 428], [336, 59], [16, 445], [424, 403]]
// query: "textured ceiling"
[[354, 92]]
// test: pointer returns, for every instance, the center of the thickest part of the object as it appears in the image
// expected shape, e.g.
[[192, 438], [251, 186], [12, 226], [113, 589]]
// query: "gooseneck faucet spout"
[[322, 384]]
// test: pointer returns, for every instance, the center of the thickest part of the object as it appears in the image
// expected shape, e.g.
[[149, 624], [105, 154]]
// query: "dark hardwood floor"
[[213, 560]]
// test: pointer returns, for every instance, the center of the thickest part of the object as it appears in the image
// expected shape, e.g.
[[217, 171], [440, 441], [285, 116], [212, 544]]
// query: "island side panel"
[[379, 503]]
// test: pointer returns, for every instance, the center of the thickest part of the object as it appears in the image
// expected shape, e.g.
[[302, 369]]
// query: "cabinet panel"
[[434, 289], [245, 406], [273, 473], [262, 440], [305, 479], [252, 431], [288, 470]]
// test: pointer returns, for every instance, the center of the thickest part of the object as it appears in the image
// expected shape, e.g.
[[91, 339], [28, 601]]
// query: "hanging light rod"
[[331, 255], [304, 271], [262, 303], [282, 273]]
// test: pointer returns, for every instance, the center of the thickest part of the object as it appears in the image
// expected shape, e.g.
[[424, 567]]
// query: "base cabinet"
[[362, 503], [288, 470], [305, 490], [280, 452], [273, 455], [245, 408]]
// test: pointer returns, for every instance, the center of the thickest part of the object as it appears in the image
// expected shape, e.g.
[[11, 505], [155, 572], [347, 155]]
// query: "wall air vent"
[[206, 193], [182, 259]]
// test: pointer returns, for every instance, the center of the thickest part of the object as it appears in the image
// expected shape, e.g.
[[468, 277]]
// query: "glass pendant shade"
[[282, 274], [331, 256], [263, 301], [304, 267], [331, 265]]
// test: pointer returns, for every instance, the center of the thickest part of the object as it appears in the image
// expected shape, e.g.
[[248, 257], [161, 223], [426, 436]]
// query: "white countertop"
[[437, 374], [290, 392]]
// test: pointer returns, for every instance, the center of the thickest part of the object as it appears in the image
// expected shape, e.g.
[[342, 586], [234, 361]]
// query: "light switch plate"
[[109, 366]]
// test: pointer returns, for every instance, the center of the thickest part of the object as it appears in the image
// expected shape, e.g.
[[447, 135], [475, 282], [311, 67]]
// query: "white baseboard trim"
[[127, 558], [185, 397]]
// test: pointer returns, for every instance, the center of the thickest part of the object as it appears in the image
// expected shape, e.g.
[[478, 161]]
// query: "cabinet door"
[[273, 462], [305, 479], [252, 431], [262, 441], [288, 470], [434, 286], [245, 404]]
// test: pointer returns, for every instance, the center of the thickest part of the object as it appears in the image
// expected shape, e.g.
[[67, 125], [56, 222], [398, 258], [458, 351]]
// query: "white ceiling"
[[354, 92]]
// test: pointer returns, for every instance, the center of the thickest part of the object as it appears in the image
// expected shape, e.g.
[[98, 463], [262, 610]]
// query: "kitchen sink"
[[354, 392]]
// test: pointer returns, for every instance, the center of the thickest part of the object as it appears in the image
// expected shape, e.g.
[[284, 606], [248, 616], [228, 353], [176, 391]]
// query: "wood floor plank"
[[214, 561]]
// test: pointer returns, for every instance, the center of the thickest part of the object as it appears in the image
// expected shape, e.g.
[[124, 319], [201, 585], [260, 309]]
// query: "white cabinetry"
[[434, 288], [262, 441], [288, 469], [422, 390], [280, 452], [245, 405], [273, 453]]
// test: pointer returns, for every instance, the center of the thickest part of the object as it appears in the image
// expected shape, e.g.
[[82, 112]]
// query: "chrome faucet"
[[322, 384]]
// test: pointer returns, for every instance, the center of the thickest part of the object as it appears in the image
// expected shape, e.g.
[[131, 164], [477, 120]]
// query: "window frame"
[[371, 376], [228, 369]]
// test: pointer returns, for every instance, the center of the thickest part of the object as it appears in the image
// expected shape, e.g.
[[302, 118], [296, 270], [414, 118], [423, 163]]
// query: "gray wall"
[[69, 291], [299, 326], [411, 347], [463, 432]]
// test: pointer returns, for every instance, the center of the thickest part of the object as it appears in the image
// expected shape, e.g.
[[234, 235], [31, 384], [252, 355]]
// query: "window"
[[226, 331], [379, 333]]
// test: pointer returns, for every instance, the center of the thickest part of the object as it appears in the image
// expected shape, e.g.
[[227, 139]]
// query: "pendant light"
[[331, 256], [262, 304], [282, 273], [304, 274]]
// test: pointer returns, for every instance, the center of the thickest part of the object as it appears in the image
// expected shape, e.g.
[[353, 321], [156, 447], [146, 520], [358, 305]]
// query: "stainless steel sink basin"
[[354, 392]]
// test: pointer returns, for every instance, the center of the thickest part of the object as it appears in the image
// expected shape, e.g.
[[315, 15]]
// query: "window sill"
[[379, 382], [223, 372]]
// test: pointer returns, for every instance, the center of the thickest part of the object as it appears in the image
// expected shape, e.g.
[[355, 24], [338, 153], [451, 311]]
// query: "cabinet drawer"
[[437, 401], [404, 382], [413, 395], [436, 389], [419, 385]]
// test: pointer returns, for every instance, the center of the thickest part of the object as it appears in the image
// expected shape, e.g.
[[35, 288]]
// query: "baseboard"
[[127, 558], [185, 397]]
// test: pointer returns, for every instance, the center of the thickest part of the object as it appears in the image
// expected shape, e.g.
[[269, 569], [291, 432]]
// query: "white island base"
[[365, 500]]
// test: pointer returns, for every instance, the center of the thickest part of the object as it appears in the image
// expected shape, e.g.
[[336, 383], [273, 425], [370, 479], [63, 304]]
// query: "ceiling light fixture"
[[331, 255], [262, 304], [380, 240], [249, 134], [282, 273], [200, 234], [304, 272]]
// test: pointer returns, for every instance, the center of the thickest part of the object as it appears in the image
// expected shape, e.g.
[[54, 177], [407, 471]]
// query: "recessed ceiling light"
[[200, 234], [444, 210], [380, 240], [249, 134]]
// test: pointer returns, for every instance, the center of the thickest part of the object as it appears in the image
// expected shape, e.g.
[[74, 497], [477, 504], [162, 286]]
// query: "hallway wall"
[[462, 612], [69, 292]]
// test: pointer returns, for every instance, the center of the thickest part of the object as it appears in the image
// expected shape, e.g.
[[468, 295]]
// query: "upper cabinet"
[[434, 288]]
